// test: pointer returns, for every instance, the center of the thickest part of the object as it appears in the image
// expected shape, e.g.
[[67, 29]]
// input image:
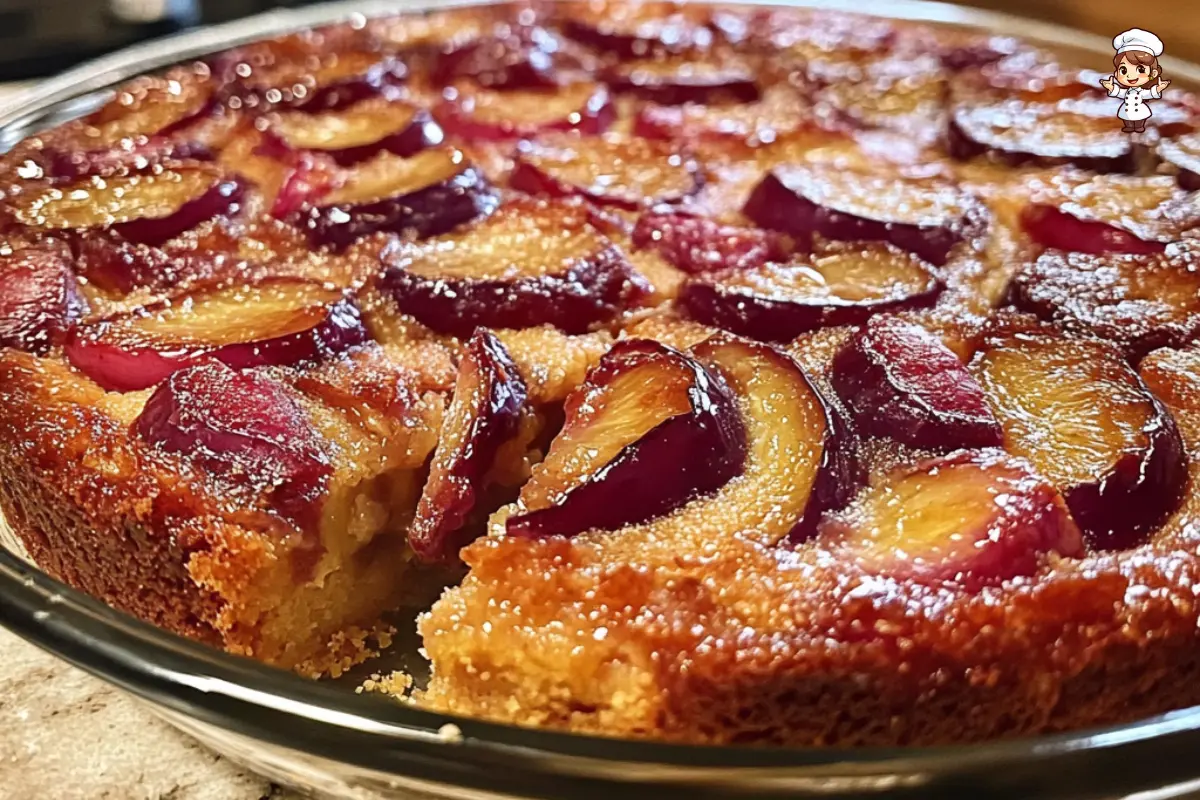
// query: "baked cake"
[[735, 374]]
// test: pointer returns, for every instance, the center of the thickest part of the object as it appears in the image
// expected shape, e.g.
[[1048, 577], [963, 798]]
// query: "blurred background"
[[39, 37], [1177, 22]]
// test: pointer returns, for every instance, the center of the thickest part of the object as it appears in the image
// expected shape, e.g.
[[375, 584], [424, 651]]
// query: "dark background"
[[40, 37]]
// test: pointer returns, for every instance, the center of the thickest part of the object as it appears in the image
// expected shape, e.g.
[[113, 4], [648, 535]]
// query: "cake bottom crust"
[[755, 649]]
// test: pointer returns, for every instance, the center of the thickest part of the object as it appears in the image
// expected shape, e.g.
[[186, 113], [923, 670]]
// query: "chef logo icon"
[[1137, 77]]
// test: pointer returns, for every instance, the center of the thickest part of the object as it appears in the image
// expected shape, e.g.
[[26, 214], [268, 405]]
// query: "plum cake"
[[733, 374]]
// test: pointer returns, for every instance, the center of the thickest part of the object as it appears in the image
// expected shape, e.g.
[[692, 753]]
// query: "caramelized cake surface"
[[736, 374]]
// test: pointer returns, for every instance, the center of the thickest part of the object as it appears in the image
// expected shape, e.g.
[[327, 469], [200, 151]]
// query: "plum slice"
[[777, 302], [1030, 75], [277, 321], [1055, 227], [1081, 415], [531, 263], [799, 456], [480, 114], [673, 82], [112, 264], [355, 77], [484, 414], [432, 192], [517, 57], [795, 470], [1017, 133], [274, 74], [975, 518], [971, 51], [305, 178], [927, 217], [617, 171], [635, 30], [158, 105], [442, 31], [779, 111], [284, 178], [1141, 302], [149, 209], [831, 45], [1110, 214], [246, 430], [39, 297], [1183, 153], [697, 244], [905, 92], [900, 381], [361, 131], [643, 406], [130, 155]]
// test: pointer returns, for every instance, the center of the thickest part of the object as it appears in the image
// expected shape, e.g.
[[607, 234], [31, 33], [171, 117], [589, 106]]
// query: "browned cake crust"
[[94, 509], [790, 377], [755, 645], [98, 509], [729, 640]]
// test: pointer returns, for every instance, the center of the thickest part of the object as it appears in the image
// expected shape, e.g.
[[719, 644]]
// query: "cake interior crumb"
[[397, 684]]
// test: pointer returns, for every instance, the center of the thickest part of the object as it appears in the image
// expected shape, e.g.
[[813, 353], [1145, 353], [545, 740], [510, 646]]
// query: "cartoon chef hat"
[[1138, 39]]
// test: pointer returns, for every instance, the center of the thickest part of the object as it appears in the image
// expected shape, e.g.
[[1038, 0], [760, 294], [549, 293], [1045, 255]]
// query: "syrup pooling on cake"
[[683, 328]]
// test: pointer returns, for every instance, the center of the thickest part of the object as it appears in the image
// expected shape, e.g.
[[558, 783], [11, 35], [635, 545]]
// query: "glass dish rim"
[[238, 694]]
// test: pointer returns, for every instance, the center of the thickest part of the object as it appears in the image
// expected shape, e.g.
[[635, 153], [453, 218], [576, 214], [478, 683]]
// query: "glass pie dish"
[[326, 737]]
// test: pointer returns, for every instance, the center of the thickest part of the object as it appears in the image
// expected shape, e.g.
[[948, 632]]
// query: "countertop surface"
[[68, 736]]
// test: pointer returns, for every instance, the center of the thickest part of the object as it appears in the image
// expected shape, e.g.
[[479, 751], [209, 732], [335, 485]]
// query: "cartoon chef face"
[[1135, 68]]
